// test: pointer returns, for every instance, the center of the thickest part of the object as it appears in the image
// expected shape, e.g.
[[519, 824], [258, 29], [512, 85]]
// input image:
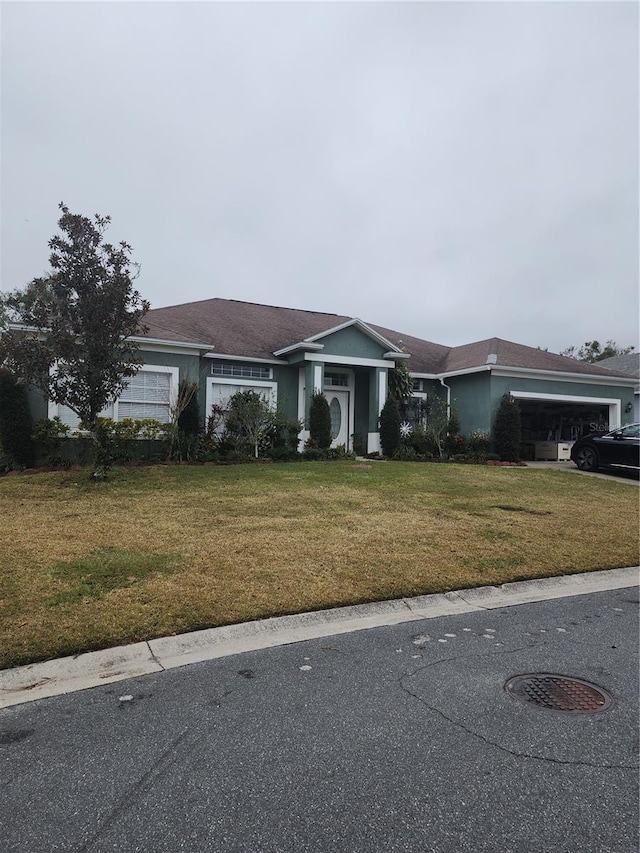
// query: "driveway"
[[620, 476]]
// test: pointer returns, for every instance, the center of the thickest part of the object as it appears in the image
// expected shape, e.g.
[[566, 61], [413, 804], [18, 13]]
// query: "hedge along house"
[[286, 354]]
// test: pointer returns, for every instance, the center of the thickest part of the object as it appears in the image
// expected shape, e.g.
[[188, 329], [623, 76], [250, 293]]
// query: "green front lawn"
[[161, 550]]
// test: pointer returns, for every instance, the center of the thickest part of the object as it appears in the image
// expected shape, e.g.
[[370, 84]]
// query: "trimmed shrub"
[[283, 434], [453, 427], [189, 417], [15, 421], [423, 443], [320, 421], [479, 445], [390, 427], [454, 444], [507, 433]]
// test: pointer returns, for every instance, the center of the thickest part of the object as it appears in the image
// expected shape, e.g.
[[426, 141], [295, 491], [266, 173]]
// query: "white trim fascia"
[[396, 355], [165, 348], [347, 359], [168, 342], [424, 375], [226, 357], [154, 344], [531, 373], [483, 368], [587, 378], [305, 345], [355, 321], [563, 398]]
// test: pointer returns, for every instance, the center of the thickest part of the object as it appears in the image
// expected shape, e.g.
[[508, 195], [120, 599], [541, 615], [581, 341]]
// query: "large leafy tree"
[[71, 329], [593, 351]]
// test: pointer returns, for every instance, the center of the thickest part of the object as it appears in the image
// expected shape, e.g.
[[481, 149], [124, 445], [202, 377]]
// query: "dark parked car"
[[619, 449]]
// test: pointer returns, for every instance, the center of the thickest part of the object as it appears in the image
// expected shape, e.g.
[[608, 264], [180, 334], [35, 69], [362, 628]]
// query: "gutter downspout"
[[444, 385]]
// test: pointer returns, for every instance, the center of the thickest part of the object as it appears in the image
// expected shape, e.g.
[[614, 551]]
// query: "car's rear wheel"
[[587, 459]]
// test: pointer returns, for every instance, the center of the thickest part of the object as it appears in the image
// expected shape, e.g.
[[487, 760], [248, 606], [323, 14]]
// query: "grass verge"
[[162, 550]]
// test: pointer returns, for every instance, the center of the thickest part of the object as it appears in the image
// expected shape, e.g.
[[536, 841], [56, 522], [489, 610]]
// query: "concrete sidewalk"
[[80, 672]]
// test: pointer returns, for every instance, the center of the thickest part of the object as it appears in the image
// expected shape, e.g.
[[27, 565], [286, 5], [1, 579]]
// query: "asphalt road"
[[399, 738]]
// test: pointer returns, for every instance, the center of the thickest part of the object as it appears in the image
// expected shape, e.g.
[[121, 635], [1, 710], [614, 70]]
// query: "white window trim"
[[53, 409], [240, 366], [237, 380]]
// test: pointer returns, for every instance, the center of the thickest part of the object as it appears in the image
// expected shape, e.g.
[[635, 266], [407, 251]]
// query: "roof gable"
[[352, 338]]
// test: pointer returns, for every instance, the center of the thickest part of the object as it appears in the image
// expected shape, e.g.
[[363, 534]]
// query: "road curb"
[[65, 675]]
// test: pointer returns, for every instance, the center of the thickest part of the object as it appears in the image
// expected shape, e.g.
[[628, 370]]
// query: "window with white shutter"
[[148, 394]]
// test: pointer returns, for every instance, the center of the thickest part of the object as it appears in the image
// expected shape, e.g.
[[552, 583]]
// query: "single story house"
[[286, 354]]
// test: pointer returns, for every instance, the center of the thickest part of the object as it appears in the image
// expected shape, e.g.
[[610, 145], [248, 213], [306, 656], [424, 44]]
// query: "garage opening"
[[546, 421], [551, 424]]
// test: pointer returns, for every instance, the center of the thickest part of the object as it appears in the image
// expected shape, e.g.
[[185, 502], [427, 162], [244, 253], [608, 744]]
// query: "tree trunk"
[[102, 449]]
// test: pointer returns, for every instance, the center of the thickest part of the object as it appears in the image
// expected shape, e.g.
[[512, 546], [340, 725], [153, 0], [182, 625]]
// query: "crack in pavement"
[[153, 657], [157, 770], [484, 738]]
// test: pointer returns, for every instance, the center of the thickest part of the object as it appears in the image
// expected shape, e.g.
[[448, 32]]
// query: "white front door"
[[339, 411]]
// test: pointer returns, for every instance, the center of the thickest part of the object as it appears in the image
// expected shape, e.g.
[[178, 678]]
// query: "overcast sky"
[[450, 170]]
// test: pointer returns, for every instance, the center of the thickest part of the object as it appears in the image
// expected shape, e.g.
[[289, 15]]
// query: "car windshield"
[[631, 431]]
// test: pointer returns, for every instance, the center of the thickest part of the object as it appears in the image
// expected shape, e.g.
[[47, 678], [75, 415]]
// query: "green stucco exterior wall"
[[287, 379], [351, 342], [471, 397]]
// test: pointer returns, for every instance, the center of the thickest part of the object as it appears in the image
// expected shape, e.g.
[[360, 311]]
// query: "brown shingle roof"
[[253, 330], [238, 328], [510, 354], [629, 364]]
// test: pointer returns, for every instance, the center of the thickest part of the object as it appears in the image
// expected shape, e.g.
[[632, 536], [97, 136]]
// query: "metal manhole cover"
[[559, 693]]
